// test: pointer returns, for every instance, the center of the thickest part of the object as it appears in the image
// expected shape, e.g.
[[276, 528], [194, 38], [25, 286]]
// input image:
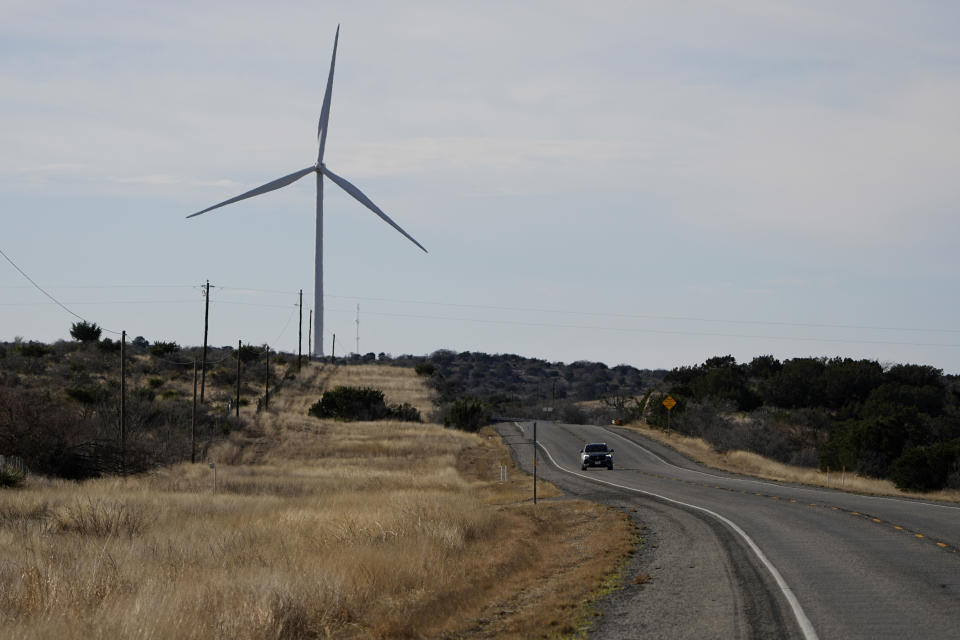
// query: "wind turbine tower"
[[321, 170]]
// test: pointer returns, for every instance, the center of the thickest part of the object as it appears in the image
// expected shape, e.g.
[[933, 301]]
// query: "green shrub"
[[34, 349], [10, 477], [109, 346], [425, 368], [249, 353], [160, 349], [467, 414], [925, 468], [223, 376], [361, 403], [405, 412], [85, 396], [351, 403], [85, 331]]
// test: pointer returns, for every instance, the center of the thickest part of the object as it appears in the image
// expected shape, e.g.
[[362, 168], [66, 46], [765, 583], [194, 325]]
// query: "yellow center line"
[[854, 513], [877, 520], [919, 535], [898, 527]]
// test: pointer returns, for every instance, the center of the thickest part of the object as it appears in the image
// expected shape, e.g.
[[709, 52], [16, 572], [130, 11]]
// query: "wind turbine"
[[321, 170]]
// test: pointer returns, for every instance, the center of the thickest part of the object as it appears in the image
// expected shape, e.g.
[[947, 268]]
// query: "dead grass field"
[[319, 529], [755, 465]]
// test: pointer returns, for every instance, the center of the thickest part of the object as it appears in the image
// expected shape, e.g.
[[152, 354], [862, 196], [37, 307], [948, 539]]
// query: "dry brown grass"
[[752, 464], [319, 529]]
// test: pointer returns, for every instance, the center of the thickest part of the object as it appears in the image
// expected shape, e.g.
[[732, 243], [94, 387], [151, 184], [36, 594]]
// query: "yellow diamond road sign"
[[669, 403]]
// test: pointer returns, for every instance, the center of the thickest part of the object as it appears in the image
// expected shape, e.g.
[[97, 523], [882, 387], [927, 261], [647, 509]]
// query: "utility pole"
[[123, 403], [300, 335], [333, 349], [310, 338], [193, 417], [358, 329], [239, 346], [206, 325], [266, 392]]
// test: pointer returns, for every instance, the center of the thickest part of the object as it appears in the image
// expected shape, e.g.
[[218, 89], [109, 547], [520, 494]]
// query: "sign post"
[[669, 403]]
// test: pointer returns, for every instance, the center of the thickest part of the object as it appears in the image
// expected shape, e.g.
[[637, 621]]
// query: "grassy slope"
[[752, 464], [319, 529]]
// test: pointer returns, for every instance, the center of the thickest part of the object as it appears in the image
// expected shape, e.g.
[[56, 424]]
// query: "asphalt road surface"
[[731, 556]]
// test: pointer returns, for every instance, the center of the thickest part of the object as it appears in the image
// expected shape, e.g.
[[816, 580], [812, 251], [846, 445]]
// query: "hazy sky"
[[650, 183]]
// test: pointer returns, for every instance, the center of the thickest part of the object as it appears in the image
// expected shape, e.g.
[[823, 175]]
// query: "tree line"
[[900, 422]]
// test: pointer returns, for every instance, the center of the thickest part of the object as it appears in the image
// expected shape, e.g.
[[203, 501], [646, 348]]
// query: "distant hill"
[[512, 382]]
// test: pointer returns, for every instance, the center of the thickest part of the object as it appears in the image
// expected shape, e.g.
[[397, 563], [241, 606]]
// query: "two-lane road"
[[844, 565]]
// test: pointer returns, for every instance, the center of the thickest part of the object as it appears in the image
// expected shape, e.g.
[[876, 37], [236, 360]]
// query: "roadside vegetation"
[[899, 424], [320, 527], [61, 402], [754, 464]]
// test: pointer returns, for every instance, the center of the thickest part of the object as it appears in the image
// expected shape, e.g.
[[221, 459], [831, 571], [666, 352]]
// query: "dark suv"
[[596, 455]]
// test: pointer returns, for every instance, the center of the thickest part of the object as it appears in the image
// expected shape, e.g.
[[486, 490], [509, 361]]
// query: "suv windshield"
[[595, 448]]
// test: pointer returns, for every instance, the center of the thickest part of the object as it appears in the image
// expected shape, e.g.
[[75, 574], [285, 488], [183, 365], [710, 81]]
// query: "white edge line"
[[805, 625], [772, 484]]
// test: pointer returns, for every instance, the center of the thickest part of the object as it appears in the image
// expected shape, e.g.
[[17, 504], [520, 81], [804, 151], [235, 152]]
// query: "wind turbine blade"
[[365, 201], [325, 109], [270, 186]]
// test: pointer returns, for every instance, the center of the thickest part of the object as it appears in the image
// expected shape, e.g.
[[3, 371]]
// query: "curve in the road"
[[860, 566], [773, 484], [906, 529], [806, 628]]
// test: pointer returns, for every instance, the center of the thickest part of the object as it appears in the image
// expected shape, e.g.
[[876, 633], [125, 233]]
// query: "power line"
[[284, 330], [108, 286], [122, 302], [41, 290], [259, 290], [76, 315], [104, 302], [512, 309]]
